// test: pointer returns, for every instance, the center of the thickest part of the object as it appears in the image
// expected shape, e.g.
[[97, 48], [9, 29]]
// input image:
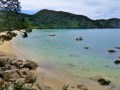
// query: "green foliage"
[[48, 19], [19, 86]]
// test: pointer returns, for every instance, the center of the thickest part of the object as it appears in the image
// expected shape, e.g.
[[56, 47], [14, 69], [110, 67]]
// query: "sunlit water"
[[63, 52]]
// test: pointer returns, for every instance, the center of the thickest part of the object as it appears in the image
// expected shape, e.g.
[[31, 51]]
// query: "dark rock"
[[117, 47], [51, 34], [2, 62], [86, 47], [104, 82], [117, 61], [111, 51], [101, 80], [77, 39], [30, 64], [80, 38], [24, 72]]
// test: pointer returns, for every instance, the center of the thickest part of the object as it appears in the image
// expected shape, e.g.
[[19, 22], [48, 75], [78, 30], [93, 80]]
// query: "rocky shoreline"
[[19, 75]]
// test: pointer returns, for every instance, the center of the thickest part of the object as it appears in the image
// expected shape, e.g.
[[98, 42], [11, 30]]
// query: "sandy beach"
[[52, 78]]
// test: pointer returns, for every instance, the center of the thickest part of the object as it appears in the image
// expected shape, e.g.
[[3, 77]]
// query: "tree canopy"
[[10, 19], [10, 5]]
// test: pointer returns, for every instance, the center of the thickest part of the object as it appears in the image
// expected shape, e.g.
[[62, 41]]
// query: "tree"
[[10, 5], [10, 20]]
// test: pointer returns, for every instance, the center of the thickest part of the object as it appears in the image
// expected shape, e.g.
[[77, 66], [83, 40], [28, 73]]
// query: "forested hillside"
[[49, 19]]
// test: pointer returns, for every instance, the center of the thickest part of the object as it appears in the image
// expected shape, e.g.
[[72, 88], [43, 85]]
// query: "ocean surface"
[[62, 51]]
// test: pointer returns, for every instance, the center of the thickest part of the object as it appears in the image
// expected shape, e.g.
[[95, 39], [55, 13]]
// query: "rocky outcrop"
[[17, 63], [30, 64], [20, 75], [13, 71], [11, 75]]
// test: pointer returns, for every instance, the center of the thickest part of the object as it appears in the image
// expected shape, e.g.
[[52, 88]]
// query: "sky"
[[94, 9]]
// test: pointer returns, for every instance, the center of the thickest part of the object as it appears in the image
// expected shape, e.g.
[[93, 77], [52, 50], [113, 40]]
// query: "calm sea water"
[[63, 52]]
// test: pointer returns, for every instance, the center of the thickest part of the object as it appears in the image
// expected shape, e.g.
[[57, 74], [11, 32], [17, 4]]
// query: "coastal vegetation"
[[49, 19], [10, 20]]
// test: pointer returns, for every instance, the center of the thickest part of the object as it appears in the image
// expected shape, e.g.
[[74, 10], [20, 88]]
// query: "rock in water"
[[111, 51], [101, 80], [104, 82], [117, 62]]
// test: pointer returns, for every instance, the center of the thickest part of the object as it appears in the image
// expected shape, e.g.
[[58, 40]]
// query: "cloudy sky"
[[94, 9]]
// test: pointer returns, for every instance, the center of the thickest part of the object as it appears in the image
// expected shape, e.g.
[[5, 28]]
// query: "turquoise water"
[[63, 52]]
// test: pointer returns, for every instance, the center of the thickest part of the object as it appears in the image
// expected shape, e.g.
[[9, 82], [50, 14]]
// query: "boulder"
[[24, 72], [30, 64], [13, 67], [117, 61], [1, 82], [7, 66], [117, 47], [86, 47], [111, 51], [2, 62], [80, 38], [101, 80], [104, 82], [30, 78], [82, 87], [11, 75], [17, 63]]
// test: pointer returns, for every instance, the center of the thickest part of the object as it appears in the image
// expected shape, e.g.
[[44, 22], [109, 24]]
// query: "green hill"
[[49, 19]]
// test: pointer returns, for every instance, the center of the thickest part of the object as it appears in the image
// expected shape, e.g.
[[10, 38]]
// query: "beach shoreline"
[[51, 78]]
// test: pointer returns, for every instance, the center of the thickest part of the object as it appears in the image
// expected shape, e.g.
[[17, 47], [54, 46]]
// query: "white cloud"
[[91, 8]]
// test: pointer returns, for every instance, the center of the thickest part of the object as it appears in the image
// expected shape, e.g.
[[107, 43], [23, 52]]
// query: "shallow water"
[[63, 52]]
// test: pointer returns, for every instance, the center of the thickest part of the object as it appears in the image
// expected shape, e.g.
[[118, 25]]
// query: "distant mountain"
[[49, 19]]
